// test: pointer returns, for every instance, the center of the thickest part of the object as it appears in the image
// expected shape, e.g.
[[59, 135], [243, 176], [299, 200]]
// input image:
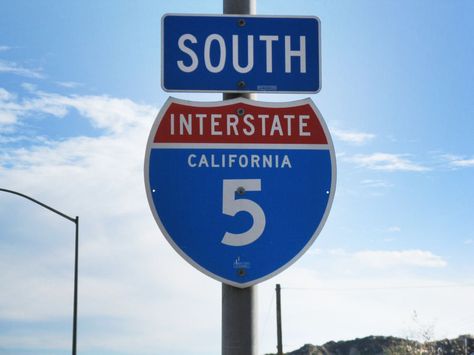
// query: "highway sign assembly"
[[240, 188], [240, 53]]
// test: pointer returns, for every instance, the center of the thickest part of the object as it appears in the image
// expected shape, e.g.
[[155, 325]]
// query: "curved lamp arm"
[[41, 204]]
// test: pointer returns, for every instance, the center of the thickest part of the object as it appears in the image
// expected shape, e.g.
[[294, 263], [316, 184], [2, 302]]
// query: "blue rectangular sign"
[[241, 53]]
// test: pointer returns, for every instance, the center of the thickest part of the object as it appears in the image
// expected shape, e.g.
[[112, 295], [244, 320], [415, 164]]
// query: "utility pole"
[[239, 306], [278, 315]]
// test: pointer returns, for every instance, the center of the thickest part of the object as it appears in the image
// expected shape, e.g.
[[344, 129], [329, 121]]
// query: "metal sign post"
[[239, 306]]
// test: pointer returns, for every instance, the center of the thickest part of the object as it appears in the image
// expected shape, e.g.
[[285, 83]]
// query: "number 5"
[[231, 206]]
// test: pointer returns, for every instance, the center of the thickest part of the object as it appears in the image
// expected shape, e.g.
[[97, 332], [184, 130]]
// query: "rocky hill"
[[379, 345]]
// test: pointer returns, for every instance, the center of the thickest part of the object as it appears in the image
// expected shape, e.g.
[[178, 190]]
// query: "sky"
[[79, 91]]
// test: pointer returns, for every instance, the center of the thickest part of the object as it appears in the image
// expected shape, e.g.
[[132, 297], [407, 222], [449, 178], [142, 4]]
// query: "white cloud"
[[463, 163], [29, 87], [393, 229], [68, 84], [4, 48], [111, 114], [458, 161], [381, 259], [338, 252], [7, 114], [353, 136], [26, 139], [13, 68], [105, 112], [374, 183], [7, 118], [390, 259], [386, 162], [6, 95]]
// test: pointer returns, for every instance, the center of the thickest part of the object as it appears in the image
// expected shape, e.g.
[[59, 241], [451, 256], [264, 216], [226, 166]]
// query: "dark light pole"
[[278, 314], [76, 257]]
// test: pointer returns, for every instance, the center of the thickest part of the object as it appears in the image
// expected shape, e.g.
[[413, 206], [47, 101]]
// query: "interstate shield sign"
[[240, 188]]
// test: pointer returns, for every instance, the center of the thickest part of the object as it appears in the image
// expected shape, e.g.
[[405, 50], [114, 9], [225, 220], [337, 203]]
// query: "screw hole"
[[240, 111], [241, 22], [241, 272]]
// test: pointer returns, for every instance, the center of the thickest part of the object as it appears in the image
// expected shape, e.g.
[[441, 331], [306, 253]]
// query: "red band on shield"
[[240, 123]]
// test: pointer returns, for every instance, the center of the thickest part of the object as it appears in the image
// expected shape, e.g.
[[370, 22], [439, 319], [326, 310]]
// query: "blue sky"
[[79, 89]]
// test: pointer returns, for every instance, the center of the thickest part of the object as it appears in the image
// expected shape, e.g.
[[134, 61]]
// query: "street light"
[[76, 257]]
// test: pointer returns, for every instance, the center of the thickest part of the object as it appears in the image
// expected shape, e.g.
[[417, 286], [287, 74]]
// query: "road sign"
[[240, 188], [240, 53]]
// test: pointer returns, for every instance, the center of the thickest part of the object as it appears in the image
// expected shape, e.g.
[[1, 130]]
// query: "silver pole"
[[239, 306], [239, 325], [240, 7]]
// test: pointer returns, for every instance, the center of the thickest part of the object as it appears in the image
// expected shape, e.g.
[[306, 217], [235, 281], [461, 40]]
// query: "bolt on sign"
[[240, 188]]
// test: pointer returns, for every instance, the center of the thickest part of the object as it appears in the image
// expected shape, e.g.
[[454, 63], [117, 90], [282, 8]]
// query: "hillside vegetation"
[[379, 345]]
